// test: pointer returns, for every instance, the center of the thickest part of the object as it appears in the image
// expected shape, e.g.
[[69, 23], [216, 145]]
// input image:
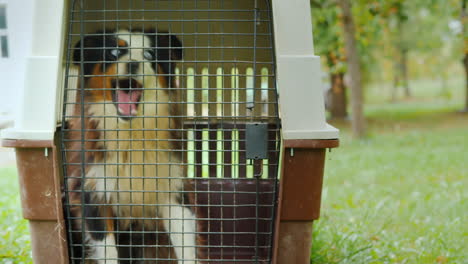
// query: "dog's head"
[[119, 66]]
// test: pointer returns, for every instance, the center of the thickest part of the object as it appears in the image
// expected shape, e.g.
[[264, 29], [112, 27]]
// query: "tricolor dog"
[[126, 176]]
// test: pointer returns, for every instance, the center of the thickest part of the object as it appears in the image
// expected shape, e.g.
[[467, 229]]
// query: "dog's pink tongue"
[[127, 102]]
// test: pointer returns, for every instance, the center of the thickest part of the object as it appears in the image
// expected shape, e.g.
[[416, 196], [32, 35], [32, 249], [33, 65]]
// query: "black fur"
[[95, 223], [168, 51], [96, 48]]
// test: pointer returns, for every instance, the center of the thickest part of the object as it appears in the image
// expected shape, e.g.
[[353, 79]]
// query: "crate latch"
[[256, 141]]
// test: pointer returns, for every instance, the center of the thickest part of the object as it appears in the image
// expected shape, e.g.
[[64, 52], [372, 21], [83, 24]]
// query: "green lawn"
[[14, 236], [401, 195]]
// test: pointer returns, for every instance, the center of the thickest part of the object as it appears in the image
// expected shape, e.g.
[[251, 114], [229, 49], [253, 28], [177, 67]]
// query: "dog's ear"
[[92, 49], [168, 51], [83, 52], [169, 47], [177, 50]]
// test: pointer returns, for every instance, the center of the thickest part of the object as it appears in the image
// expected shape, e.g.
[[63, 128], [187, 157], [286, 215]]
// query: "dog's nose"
[[132, 67]]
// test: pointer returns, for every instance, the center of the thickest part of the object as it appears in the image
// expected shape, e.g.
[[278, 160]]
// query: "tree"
[[393, 16], [328, 32], [464, 21], [354, 64], [328, 20], [402, 46], [328, 38]]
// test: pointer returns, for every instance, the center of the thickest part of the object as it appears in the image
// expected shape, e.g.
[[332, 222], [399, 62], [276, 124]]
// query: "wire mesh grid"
[[171, 139]]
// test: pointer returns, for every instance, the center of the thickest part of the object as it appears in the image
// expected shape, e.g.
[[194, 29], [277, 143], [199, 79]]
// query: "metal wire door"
[[170, 104]]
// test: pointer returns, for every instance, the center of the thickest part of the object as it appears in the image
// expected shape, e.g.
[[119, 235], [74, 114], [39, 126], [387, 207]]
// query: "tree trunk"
[[465, 62], [338, 102], [404, 71], [402, 61], [464, 20], [444, 91], [396, 81], [357, 115], [400, 78]]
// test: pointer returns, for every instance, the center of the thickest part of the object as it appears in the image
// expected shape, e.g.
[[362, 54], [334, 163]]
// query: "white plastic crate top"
[[298, 74], [41, 95]]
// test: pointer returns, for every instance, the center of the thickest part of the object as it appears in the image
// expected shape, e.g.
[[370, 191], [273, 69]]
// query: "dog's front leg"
[[104, 251], [180, 222], [100, 238]]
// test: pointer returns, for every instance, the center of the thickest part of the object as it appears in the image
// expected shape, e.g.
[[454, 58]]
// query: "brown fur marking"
[[101, 83]]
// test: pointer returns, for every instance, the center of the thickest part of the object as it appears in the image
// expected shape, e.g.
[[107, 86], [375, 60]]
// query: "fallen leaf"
[[441, 259]]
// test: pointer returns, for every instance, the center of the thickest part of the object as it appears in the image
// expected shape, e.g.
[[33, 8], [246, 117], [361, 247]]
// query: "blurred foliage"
[[328, 35], [430, 30]]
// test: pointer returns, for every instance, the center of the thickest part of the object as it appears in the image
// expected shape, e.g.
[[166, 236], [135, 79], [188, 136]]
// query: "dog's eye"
[[115, 53], [148, 54]]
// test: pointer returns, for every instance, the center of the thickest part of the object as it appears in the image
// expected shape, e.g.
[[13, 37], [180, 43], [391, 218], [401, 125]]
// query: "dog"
[[126, 180]]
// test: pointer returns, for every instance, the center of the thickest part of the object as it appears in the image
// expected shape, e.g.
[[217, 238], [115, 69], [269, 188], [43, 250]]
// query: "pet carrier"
[[156, 131]]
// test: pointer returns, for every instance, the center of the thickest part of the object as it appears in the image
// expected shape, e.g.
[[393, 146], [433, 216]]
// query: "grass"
[[14, 235], [401, 195]]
